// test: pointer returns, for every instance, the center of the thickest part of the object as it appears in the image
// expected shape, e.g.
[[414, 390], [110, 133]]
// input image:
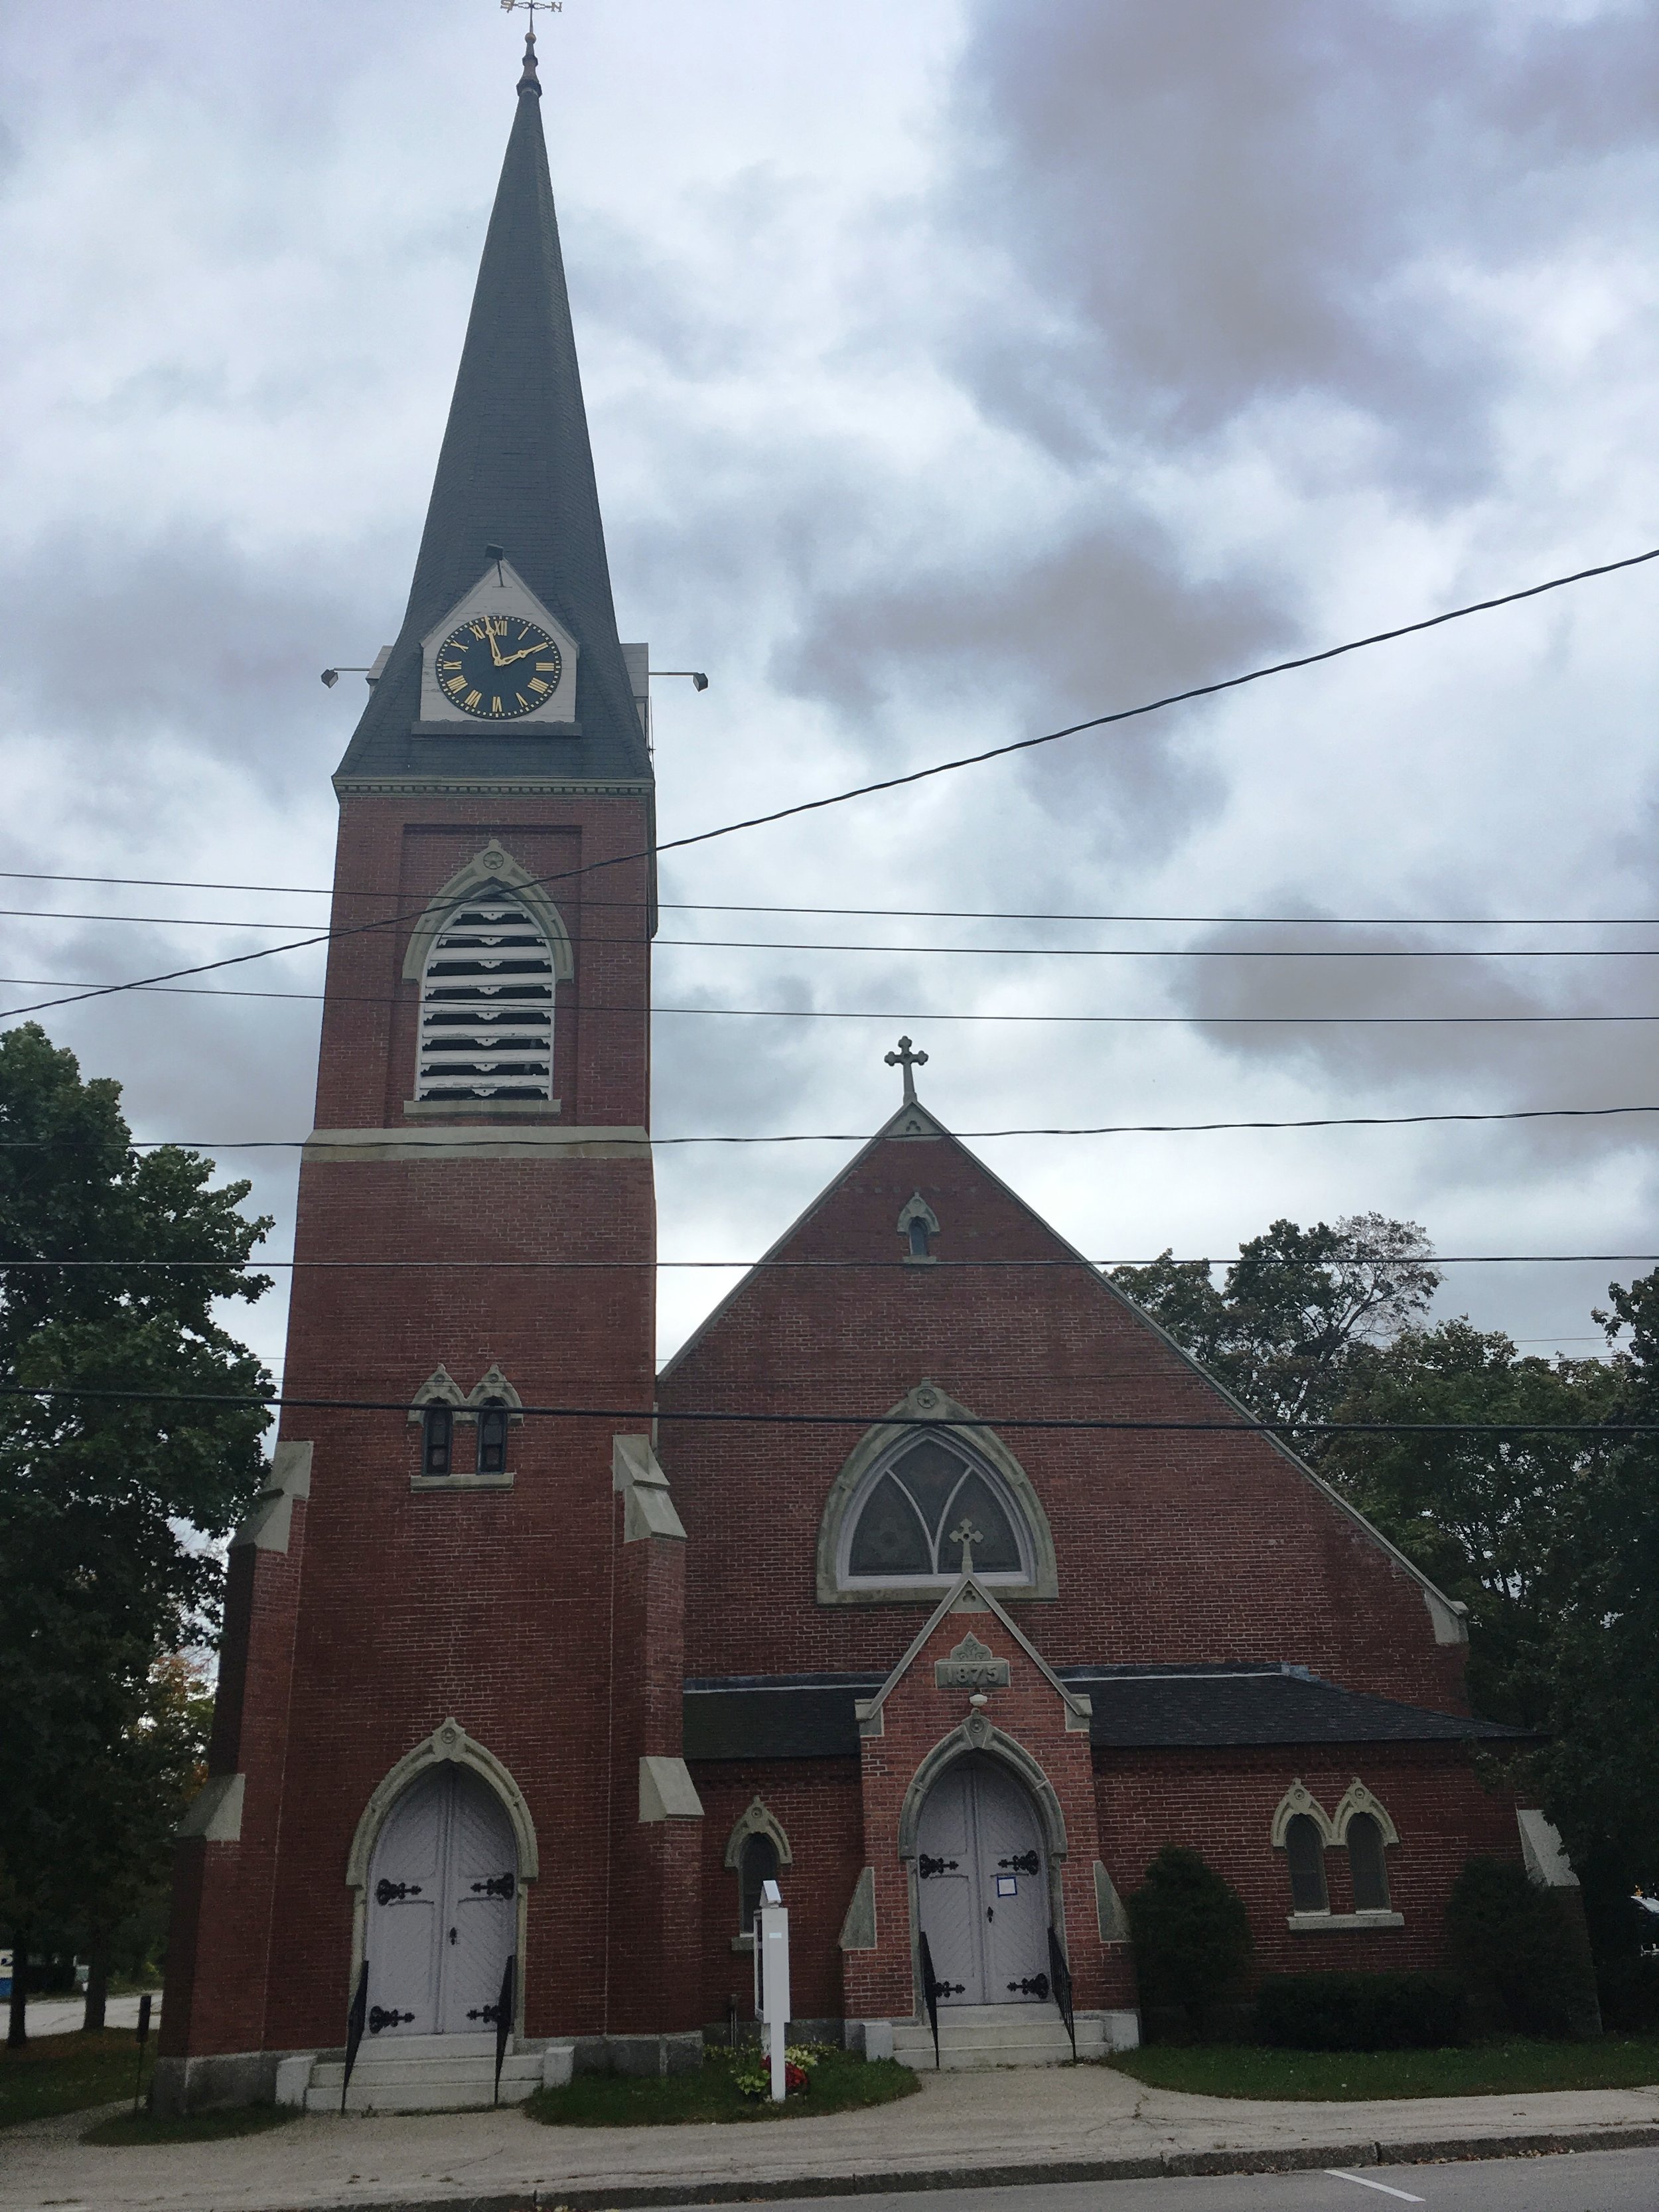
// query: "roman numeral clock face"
[[497, 666]]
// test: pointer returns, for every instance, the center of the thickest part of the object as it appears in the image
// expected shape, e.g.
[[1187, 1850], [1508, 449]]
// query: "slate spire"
[[515, 470]]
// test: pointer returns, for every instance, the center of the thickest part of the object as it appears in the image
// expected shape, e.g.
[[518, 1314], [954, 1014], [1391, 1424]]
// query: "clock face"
[[497, 666]]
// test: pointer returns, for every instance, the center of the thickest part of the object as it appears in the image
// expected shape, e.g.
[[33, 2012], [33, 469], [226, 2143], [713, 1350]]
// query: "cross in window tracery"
[[967, 1535]]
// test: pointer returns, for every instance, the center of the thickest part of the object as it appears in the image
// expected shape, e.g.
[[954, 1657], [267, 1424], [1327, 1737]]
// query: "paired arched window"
[[1304, 1833], [487, 1004], [923, 1499]]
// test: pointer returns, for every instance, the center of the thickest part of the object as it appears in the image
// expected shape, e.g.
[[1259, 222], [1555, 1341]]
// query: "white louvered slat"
[[487, 1006]]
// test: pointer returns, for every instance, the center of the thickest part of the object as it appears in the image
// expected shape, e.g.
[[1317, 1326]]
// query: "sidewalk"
[[1073, 2124], [62, 2015]]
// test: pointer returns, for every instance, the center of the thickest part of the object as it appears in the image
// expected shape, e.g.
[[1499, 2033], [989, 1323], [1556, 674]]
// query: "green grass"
[[1228, 2069], [841, 2083], [67, 2073], [196, 2127]]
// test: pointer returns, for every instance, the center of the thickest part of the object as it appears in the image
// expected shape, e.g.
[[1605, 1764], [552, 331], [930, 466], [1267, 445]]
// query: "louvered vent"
[[487, 1006]]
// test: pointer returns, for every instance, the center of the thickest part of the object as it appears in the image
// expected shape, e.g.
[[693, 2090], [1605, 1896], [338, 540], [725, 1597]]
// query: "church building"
[[929, 1579]]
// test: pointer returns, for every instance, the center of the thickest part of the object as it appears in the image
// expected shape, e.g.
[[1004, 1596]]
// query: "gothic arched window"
[[437, 1440], [903, 1525], [1367, 1864], [487, 1004], [492, 1437], [1304, 1855]]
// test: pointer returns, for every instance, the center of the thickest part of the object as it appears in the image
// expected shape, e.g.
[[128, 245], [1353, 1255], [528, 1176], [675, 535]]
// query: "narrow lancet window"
[[492, 1437], [918, 1238], [437, 1440], [1367, 1864], [1305, 1853]]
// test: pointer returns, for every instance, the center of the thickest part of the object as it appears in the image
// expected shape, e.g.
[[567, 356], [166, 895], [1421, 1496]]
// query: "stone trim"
[[215, 1813], [1111, 1916], [923, 1404], [1298, 1798], [476, 1141], [1544, 1853], [440, 1388], [858, 1928], [269, 1524], [666, 1790], [647, 1509], [503, 1109], [1338, 1923], [492, 866], [1359, 1799], [969, 1595], [493, 1384], [756, 1820]]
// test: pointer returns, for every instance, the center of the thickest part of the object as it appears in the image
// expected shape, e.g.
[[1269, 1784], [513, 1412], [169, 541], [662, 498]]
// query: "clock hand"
[[507, 660]]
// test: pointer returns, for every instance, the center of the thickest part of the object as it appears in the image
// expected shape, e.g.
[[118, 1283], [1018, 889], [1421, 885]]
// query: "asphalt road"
[[1586, 2181]]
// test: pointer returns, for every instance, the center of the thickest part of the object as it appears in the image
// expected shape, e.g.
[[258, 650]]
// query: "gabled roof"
[[515, 470], [913, 1120]]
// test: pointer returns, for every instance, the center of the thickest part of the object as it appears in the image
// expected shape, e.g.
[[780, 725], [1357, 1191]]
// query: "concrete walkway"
[[63, 2016], [1074, 2124]]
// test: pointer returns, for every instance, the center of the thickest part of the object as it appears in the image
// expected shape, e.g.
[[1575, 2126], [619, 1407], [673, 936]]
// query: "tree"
[[1488, 1517], [1281, 1329], [109, 1501], [1192, 1934]]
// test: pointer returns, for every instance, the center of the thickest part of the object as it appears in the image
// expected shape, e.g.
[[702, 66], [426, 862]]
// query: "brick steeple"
[[516, 470]]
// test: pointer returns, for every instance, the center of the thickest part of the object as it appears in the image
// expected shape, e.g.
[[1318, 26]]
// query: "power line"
[[755, 1267], [845, 1014], [920, 776], [1606, 1431], [497, 1140]]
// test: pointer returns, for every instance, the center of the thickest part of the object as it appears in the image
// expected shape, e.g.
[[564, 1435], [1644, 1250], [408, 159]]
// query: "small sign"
[[1007, 1886]]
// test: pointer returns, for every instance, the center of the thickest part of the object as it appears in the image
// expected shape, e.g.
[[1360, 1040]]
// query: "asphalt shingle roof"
[[811, 1715]]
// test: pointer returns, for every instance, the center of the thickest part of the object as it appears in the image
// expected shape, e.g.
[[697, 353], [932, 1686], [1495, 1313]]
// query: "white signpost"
[[772, 1979]]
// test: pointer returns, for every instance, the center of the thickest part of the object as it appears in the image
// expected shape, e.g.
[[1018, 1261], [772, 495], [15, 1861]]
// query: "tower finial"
[[529, 81]]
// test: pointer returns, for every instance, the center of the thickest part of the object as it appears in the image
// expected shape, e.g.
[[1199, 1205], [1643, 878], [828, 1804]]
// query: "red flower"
[[795, 2077]]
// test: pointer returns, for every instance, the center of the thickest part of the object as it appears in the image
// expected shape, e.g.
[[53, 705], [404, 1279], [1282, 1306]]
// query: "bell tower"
[[453, 1623]]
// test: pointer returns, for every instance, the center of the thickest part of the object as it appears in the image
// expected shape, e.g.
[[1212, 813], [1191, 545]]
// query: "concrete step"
[[975, 2037], [424, 2074]]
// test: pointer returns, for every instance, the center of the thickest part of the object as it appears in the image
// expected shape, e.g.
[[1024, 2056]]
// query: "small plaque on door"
[[1007, 1886]]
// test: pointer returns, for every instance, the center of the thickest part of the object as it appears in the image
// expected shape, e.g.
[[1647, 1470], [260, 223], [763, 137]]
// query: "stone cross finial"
[[967, 1535], [909, 1061]]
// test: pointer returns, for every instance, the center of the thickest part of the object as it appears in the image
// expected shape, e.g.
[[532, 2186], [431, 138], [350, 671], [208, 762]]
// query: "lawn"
[[1228, 2069], [66, 2073], [841, 2083], [195, 2127]]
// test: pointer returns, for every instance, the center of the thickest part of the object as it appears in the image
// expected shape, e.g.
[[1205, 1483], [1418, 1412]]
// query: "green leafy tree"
[[1281, 1328], [109, 1501], [1489, 1517], [1192, 1935]]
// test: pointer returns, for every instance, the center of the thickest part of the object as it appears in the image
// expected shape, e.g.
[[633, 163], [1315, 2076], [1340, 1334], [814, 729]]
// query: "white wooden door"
[[982, 1881], [443, 1917]]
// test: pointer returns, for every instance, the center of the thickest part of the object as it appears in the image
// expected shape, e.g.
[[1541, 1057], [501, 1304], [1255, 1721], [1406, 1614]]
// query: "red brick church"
[[539, 1660]]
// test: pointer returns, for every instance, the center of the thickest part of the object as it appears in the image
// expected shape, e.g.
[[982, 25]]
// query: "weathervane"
[[532, 8]]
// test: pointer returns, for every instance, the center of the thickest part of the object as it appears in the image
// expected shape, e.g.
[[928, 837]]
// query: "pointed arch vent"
[[487, 1003]]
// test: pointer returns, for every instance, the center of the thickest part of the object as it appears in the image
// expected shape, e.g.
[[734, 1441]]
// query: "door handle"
[[990, 1912], [451, 1935]]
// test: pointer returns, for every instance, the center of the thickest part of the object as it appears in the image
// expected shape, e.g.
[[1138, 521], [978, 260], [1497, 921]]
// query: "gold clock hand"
[[507, 660]]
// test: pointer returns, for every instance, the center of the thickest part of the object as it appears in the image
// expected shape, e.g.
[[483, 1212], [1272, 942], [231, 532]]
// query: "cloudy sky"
[[956, 371]]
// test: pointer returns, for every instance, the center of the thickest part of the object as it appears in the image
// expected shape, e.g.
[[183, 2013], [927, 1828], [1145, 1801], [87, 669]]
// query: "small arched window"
[[919, 1237], [437, 1440], [492, 1437], [487, 1004], [1304, 1855], [904, 1525], [758, 1865], [1367, 1864]]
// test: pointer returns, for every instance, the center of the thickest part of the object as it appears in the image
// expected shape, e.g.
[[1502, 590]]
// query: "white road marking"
[[1360, 2181]]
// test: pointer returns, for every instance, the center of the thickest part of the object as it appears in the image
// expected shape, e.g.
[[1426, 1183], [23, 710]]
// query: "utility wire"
[[841, 1014], [755, 1267], [1605, 1430], [920, 776], [497, 1140]]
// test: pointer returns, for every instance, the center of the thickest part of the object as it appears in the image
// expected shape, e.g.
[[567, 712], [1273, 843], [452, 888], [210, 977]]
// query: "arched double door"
[[983, 1883], [442, 1909]]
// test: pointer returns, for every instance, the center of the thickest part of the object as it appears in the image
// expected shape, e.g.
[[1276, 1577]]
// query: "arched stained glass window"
[[487, 1004], [1368, 1864], [1304, 1855], [900, 1528]]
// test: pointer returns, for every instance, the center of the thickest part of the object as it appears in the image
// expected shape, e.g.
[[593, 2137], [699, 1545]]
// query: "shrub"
[[1521, 1946], [1191, 1934], [1359, 2012]]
